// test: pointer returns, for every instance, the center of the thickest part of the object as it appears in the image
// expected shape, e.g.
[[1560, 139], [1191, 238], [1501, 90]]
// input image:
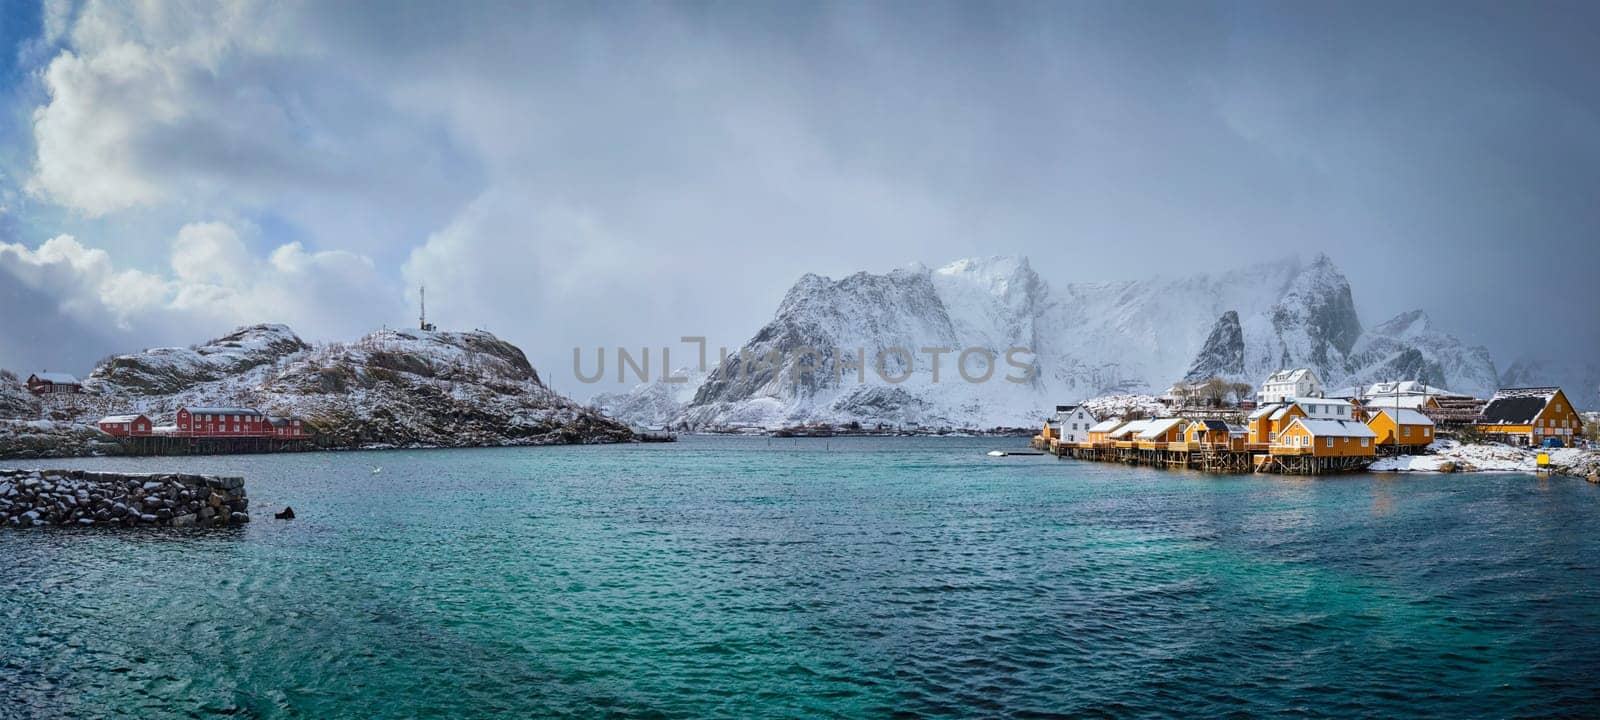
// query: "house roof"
[[1214, 424], [1345, 393], [1281, 411], [1404, 401], [1106, 426], [1264, 410], [57, 378], [1406, 417], [1157, 428], [120, 418], [1334, 428], [1291, 376], [222, 411], [1517, 406], [1132, 427], [1066, 408]]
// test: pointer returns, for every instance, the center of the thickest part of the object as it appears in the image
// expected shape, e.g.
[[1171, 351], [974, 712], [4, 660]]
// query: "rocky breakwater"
[[75, 497]]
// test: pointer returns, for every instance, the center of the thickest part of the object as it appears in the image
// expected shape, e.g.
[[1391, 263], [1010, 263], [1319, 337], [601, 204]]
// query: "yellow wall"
[[1342, 446], [1384, 426]]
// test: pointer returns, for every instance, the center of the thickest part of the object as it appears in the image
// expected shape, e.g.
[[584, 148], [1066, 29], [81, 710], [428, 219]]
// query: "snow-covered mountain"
[[653, 404], [1088, 339], [1578, 377], [1409, 347]]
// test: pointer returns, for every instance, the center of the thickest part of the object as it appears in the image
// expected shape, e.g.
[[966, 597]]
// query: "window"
[[1330, 442], [1427, 431], [1272, 437], [1364, 442], [1405, 431]]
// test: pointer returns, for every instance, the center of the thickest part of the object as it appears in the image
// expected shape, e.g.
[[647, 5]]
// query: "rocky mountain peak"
[[1223, 354]]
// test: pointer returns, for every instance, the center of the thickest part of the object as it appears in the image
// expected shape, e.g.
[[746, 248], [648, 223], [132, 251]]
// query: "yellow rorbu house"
[[1307, 445], [1404, 430], [1531, 416], [1158, 434], [1098, 434], [1213, 434]]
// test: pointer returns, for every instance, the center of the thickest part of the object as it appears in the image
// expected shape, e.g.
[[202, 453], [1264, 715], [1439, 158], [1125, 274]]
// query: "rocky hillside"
[[390, 388], [162, 371], [15, 400]]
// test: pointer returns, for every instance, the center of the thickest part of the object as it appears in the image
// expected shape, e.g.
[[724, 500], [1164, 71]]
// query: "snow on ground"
[[1453, 456]]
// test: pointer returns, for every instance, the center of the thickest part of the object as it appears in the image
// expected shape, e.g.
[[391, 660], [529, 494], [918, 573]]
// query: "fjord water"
[[746, 577]]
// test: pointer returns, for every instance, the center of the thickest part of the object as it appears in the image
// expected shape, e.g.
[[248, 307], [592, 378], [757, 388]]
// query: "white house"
[[1327, 409], [1074, 422], [1290, 385]]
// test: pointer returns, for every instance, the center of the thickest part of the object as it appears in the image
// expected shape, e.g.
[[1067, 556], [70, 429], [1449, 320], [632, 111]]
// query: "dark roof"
[[1066, 408], [1517, 406], [1215, 425]]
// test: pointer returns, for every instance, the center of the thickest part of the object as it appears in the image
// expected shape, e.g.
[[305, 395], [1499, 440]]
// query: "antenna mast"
[[422, 303]]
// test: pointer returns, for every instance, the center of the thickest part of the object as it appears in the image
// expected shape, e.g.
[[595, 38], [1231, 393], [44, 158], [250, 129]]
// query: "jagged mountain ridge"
[[1089, 339]]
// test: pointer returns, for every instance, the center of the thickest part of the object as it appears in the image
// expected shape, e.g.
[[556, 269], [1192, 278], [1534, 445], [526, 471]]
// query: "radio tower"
[[422, 303]]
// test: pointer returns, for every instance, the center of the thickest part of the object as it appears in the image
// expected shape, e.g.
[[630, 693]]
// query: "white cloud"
[[215, 284]]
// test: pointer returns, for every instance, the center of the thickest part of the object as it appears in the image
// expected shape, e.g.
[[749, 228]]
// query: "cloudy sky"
[[591, 174]]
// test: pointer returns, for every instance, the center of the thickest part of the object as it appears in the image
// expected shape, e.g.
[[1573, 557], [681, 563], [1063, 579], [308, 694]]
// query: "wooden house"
[[1098, 433], [53, 383], [1289, 385], [1325, 438], [1399, 428], [1530, 416], [1073, 423], [135, 425], [1161, 432]]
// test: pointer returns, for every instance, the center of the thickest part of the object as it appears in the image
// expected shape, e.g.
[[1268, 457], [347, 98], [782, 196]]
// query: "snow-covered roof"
[[1280, 412], [1404, 387], [1264, 410], [120, 418], [1404, 401], [1129, 429], [222, 411], [1334, 428], [1157, 428], [1518, 406], [1406, 417], [1346, 393], [1291, 376], [57, 378], [1106, 426]]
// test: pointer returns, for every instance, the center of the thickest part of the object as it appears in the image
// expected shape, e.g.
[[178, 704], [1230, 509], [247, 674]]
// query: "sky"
[[596, 174]]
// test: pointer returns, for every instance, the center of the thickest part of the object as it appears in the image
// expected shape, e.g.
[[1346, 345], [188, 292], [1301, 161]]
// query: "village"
[[194, 430], [1295, 426]]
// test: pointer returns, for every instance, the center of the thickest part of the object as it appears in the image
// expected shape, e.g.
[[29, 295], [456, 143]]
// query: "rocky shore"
[[31, 498]]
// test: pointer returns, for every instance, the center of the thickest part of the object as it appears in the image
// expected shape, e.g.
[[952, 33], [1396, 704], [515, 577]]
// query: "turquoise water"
[[738, 577]]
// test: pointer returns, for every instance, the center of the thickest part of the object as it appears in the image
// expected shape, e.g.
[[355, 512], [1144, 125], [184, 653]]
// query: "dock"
[[1214, 457]]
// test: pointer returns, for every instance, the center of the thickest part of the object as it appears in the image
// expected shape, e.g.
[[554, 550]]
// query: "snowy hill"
[[653, 404], [1090, 339], [391, 388]]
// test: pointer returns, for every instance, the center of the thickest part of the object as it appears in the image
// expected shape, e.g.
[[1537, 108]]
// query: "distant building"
[[49, 383], [125, 425], [1530, 416], [1288, 385], [1073, 423]]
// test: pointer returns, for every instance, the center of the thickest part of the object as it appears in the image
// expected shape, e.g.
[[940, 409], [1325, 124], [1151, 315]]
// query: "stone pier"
[[30, 498]]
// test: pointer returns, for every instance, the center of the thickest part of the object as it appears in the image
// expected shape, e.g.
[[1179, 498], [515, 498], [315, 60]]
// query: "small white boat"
[[998, 453]]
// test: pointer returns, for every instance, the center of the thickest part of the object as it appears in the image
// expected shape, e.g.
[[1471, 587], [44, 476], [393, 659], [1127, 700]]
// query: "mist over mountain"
[[1088, 339]]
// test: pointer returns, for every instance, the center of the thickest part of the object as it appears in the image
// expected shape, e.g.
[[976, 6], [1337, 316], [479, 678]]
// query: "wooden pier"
[[212, 445], [1227, 458]]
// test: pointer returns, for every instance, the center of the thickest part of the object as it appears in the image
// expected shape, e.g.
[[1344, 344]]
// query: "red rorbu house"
[[125, 425], [49, 383], [222, 422], [288, 428]]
